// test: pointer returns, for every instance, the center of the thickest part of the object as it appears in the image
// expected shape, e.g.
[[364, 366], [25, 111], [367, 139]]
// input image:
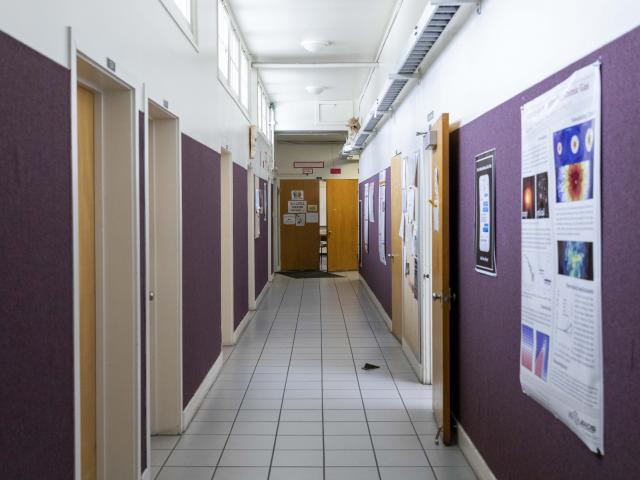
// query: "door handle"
[[152, 295], [436, 296]]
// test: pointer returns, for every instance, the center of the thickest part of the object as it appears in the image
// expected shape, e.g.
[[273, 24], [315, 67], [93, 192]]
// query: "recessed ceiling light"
[[315, 90], [314, 46]]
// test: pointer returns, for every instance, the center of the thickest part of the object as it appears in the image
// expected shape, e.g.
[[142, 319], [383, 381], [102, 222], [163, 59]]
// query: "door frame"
[[118, 452], [164, 416], [424, 271], [226, 244]]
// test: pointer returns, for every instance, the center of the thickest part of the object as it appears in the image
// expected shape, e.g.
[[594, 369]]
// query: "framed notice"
[[485, 201]]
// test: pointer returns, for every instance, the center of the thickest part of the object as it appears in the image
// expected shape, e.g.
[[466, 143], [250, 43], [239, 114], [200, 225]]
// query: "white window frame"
[[243, 53], [187, 26], [263, 112]]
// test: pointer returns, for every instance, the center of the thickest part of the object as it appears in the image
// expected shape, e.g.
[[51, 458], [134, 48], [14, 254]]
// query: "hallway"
[[293, 399]]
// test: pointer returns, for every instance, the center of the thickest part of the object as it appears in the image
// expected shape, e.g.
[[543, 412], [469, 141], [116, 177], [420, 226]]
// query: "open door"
[[342, 225], [411, 293], [165, 272], [441, 289], [396, 246]]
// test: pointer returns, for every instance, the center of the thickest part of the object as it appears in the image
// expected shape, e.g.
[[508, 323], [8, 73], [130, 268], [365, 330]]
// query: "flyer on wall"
[[561, 320], [485, 199], [382, 182], [365, 224]]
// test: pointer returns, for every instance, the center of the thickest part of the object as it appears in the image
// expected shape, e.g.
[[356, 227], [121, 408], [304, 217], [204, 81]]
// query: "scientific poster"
[[485, 200], [561, 332], [258, 206], [372, 218], [382, 182]]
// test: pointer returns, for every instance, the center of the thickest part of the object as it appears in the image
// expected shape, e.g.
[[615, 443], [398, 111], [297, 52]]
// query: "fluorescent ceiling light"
[[314, 46], [315, 90]]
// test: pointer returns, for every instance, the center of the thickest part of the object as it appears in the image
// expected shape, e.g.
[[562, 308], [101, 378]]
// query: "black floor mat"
[[310, 274]]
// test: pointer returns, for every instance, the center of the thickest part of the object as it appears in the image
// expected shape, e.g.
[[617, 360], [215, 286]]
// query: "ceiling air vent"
[[432, 24]]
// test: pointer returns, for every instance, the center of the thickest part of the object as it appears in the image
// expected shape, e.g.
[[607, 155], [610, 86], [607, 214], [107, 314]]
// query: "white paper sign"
[[289, 219], [561, 318], [297, 206], [300, 219], [297, 194], [312, 217], [382, 182]]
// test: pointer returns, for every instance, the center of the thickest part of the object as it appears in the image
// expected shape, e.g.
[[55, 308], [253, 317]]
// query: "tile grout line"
[[394, 380], [324, 458], [366, 419], [224, 447], [172, 450], [286, 380]]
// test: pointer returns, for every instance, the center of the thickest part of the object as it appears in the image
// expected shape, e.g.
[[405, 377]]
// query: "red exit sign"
[[336, 171]]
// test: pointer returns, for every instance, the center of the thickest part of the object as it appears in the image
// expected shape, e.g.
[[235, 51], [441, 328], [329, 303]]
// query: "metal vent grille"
[[426, 34]]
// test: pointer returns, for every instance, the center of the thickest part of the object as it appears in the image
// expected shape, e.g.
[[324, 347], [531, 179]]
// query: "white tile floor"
[[292, 402]]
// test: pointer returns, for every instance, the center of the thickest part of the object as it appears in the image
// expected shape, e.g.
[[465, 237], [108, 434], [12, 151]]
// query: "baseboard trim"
[[383, 313], [413, 361], [262, 294], [194, 404], [471, 453], [242, 325]]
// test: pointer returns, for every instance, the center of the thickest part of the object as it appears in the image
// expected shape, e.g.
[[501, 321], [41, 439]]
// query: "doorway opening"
[[107, 252], [165, 271]]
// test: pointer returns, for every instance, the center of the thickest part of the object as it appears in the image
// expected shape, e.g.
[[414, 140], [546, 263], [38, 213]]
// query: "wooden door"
[[441, 290], [342, 225], [86, 217], [396, 246], [299, 244]]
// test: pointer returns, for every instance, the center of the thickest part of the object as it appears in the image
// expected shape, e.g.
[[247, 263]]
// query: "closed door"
[[441, 291], [300, 239], [87, 250], [396, 246], [342, 225]]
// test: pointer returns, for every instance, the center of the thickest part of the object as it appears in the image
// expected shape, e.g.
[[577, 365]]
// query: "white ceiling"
[[273, 30]]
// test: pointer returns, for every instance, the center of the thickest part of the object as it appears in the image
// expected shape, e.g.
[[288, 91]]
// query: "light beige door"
[[411, 329], [396, 246], [87, 248], [342, 225], [441, 289]]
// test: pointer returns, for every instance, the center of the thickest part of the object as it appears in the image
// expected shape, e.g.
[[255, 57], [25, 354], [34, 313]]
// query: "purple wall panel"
[[240, 245], [143, 299], [261, 248], [518, 438], [201, 322], [36, 265], [376, 274]]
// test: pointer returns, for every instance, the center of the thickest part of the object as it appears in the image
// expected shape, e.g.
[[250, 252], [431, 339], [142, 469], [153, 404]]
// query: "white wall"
[[145, 42], [303, 116], [509, 47], [329, 153]]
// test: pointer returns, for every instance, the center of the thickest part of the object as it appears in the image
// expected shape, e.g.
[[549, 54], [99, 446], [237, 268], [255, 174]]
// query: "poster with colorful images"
[[561, 317], [485, 199]]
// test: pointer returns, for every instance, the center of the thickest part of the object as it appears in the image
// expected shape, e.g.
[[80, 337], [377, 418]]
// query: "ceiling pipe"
[[280, 66]]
